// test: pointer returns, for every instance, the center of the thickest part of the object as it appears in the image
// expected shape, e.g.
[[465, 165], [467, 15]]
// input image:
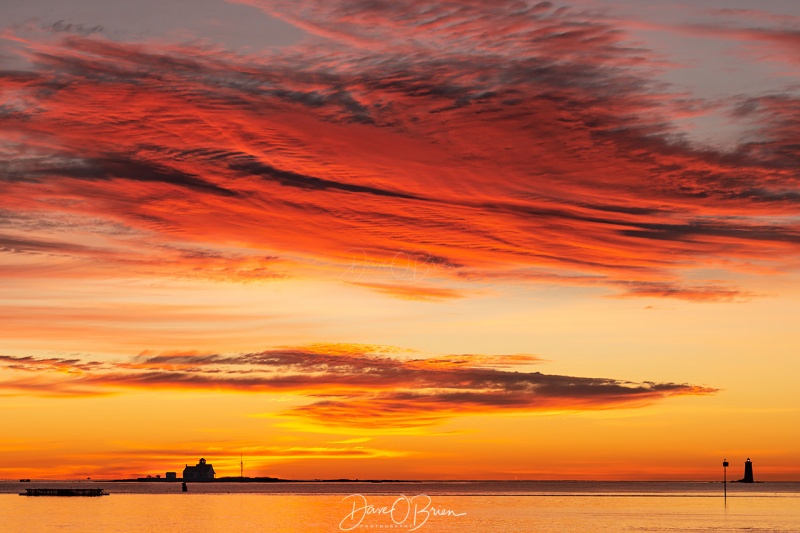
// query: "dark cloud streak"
[[354, 387]]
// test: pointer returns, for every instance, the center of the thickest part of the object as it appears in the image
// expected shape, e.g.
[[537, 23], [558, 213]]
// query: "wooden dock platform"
[[64, 492]]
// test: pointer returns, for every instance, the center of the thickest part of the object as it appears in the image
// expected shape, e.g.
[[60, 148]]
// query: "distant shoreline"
[[245, 479], [266, 479]]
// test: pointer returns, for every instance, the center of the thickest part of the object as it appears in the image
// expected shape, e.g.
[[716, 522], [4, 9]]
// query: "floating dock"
[[64, 492]]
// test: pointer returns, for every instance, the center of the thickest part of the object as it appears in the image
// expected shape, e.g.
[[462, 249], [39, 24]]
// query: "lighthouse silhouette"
[[748, 472]]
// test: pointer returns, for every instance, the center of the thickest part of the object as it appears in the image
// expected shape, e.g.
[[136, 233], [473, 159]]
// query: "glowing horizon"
[[428, 240]]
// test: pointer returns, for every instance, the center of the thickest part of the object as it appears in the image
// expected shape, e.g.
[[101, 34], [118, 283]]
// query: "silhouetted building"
[[199, 472], [748, 472], [172, 476]]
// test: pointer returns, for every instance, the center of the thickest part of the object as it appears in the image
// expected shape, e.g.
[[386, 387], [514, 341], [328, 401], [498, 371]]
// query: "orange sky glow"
[[400, 240]]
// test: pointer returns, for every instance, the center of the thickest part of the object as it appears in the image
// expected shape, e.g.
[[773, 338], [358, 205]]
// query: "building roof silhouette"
[[200, 472]]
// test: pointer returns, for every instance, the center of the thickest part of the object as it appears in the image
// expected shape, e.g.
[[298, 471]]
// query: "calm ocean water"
[[430, 507]]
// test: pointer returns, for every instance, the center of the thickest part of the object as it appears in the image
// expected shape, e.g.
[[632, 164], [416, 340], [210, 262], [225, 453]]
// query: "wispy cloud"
[[767, 36], [350, 385], [118, 461], [545, 143], [412, 292]]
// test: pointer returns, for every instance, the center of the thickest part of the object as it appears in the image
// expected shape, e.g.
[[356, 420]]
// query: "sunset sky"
[[400, 239]]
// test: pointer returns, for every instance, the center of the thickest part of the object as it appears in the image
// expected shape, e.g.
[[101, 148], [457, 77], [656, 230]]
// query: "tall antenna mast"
[[241, 466]]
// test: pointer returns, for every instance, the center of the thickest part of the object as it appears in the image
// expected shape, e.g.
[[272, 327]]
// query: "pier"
[[64, 492]]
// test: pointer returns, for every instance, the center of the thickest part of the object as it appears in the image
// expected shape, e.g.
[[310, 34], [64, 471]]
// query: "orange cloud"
[[350, 386], [412, 292], [541, 146], [126, 464]]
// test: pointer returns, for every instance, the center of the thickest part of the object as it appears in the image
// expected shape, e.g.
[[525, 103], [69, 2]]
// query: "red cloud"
[[540, 149]]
